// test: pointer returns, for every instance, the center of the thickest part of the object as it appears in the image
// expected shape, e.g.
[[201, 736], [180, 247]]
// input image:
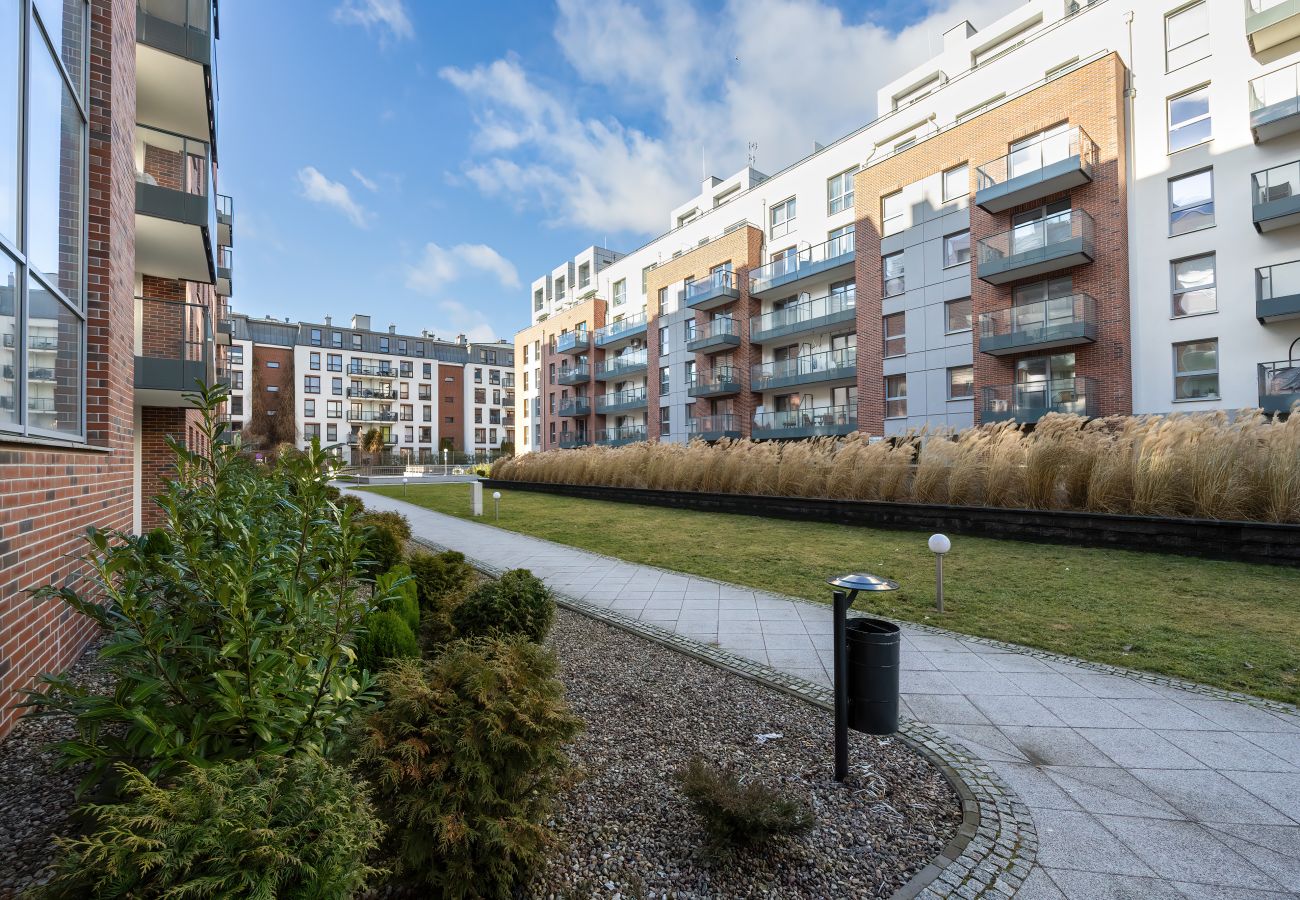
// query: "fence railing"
[[1037, 156]]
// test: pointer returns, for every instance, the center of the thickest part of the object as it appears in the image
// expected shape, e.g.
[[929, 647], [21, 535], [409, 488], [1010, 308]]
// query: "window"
[[895, 327], [584, 275], [664, 380], [688, 330], [665, 421], [426, 412], [334, 409], [1187, 36], [427, 370], [839, 191], [891, 272], [334, 362], [401, 345], [559, 289], [1189, 119], [1194, 291], [782, 217], [478, 376], [356, 342], [311, 384], [236, 406], [336, 386], [315, 337], [665, 341], [688, 371], [309, 408], [956, 249], [313, 361], [383, 345], [237, 381], [537, 300], [331, 432], [236, 355], [272, 364], [480, 395], [956, 183], [336, 339], [406, 369], [961, 382], [892, 214], [957, 315], [311, 432], [645, 280], [1196, 370], [480, 435], [1191, 202], [426, 391], [895, 396], [663, 300], [620, 293]]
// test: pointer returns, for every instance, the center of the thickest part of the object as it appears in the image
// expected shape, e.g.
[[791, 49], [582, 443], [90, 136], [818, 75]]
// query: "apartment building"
[[334, 383], [114, 269], [1040, 218]]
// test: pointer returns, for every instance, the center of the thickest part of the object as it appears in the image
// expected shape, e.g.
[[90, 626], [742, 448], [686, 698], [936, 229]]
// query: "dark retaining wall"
[[1244, 541]]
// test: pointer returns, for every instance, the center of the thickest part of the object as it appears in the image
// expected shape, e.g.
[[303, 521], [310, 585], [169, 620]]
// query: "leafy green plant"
[[516, 603], [464, 754], [736, 813], [386, 637], [394, 521], [228, 630], [400, 589], [438, 575], [382, 547], [272, 827]]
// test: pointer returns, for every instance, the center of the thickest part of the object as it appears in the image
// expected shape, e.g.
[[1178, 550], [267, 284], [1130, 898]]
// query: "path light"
[[496, 501], [405, 482], [874, 686], [939, 545]]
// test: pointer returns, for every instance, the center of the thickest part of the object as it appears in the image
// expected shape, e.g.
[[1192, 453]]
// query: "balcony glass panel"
[[804, 316], [620, 400], [623, 327], [1278, 291], [1059, 321], [715, 427], [571, 341], [1274, 100], [575, 406], [718, 380], [828, 365], [1041, 245], [720, 286], [174, 345], [1031, 400], [1279, 386], [803, 264], [1276, 197], [182, 27], [171, 161], [815, 421], [623, 434], [624, 362]]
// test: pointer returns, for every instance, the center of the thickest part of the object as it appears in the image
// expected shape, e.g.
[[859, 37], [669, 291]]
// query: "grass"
[[1231, 625]]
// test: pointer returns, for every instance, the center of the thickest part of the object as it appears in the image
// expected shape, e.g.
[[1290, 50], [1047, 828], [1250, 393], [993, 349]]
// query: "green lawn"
[[1234, 625]]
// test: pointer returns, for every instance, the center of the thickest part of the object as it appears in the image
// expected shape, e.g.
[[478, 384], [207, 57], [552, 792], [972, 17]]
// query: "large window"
[[891, 272], [782, 217], [895, 396], [1191, 202], [1187, 35], [620, 293], [1196, 370], [1194, 291], [839, 192], [957, 315], [895, 328], [956, 183], [961, 382], [956, 249], [1189, 119], [43, 217], [893, 211]]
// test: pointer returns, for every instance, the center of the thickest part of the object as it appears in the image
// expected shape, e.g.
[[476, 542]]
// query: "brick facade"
[[590, 314], [450, 387]]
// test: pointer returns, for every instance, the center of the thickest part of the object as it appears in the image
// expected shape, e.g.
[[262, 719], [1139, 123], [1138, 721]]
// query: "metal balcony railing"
[[806, 263], [721, 332], [1053, 163], [622, 434], [624, 363], [571, 439], [174, 345], [573, 342], [621, 400], [715, 289], [356, 414], [715, 381], [574, 374], [714, 427], [371, 394], [574, 406], [371, 371], [181, 27]]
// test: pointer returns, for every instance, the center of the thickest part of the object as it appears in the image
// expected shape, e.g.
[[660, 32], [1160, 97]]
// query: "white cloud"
[[469, 322], [389, 16], [319, 189], [365, 182], [440, 266], [793, 72]]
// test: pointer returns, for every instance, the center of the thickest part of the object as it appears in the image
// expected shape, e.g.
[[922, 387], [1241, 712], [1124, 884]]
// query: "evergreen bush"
[[400, 588], [736, 813], [395, 522], [439, 575], [464, 754], [386, 636], [516, 603], [272, 827]]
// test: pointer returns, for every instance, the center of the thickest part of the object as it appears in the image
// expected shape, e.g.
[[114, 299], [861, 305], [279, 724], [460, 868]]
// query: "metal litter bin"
[[873, 647]]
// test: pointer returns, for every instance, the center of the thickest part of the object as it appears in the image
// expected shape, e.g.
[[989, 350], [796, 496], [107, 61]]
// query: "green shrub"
[[352, 503], [516, 603], [736, 813], [275, 827], [227, 629], [464, 754], [383, 547], [438, 575], [386, 636], [400, 589], [395, 522]]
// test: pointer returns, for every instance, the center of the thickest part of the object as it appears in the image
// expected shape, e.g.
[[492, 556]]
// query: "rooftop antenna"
[[753, 154]]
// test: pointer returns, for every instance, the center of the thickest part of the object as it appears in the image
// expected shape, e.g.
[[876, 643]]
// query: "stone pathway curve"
[[1138, 787]]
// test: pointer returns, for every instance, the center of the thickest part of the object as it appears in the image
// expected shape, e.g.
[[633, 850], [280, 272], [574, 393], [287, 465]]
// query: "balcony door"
[[1033, 153], [1046, 382], [720, 276], [1043, 304], [1039, 228]]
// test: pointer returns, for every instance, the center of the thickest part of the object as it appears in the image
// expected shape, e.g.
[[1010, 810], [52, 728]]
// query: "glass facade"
[[43, 164]]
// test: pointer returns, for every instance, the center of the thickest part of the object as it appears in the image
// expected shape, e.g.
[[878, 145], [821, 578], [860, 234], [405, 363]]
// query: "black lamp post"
[[849, 586]]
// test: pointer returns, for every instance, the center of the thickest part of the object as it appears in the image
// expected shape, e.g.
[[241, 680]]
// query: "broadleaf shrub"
[[464, 754], [273, 827], [386, 637], [439, 575], [516, 603], [739, 814]]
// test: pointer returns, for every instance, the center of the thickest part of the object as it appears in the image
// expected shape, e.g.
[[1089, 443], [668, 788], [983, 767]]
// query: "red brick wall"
[[592, 314], [455, 390], [49, 496]]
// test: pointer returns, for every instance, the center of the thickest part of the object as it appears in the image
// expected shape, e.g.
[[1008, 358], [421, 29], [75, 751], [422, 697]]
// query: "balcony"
[[361, 370], [1276, 197], [573, 342], [714, 290], [225, 332], [1279, 386], [571, 440], [1277, 292], [719, 381], [714, 428], [173, 351], [1048, 166], [617, 437], [225, 259], [362, 393], [621, 401], [225, 220], [720, 334], [574, 407], [1270, 23], [1030, 401], [621, 330], [578, 374], [357, 414], [810, 368], [808, 316], [1059, 322], [1275, 103], [1057, 242], [175, 219], [623, 365], [173, 61], [820, 421], [829, 258]]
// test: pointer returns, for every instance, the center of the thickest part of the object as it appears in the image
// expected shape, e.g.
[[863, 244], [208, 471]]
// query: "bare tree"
[[272, 421]]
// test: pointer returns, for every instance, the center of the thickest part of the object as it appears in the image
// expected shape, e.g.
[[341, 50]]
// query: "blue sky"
[[389, 157]]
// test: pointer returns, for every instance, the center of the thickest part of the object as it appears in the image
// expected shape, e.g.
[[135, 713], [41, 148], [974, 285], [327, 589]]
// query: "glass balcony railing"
[[1275, 200], [1051, 164], [570, 440], [820, 259], [808, 315], [817, 421], [575, 406], [576, 374], [1270, 23], [714, 382], [1277, 292], [619, 401], [1058, 322], [174, 348], [1050, 244], [629, 363], [181, 27], [371, 370], [1030, 401], [715, 289], [623, 434], [621, 329], [1274, 102], [172, 162], [714, 428], [809, 368], [364, 393], [358, 414], [721, 332], [573, 342], [1279, 386]]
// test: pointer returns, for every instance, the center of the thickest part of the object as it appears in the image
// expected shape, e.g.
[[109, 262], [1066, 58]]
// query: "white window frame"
[[838, 202], [885, 278], [964, 169], [1170, 65], [895, 223], [781, 217]]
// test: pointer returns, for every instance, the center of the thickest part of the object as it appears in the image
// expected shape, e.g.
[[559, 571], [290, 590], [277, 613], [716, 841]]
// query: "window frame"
[[1169, 119], [970, 367], [845, 197], [894, 399], [965, 169], [1206, 170], [947, 317], [1169, 17], [885, 219], [960, 262], [885, 278], [791, 210], [887, 338], [1197, 373], [1174, 291]]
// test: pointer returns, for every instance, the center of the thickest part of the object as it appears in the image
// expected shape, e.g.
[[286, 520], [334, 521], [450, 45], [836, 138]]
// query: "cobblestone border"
[[995, 845]]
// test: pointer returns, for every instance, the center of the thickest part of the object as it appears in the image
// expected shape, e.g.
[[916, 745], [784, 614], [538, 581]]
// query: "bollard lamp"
[[847, 589], [496, 502], [939, 545]]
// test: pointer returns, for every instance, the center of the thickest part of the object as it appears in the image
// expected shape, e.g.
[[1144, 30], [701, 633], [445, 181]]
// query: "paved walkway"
[[1138, 789]]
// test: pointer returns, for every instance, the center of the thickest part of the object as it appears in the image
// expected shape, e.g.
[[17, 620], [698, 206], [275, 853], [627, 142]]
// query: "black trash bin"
[[873, 646]]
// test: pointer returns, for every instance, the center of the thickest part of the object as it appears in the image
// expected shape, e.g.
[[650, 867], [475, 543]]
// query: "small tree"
[[372, 443], [507, 448], [271, 423]]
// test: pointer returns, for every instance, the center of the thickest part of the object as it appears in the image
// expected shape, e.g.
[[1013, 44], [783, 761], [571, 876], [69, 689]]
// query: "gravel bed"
[[623, 829], [36, 798]]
